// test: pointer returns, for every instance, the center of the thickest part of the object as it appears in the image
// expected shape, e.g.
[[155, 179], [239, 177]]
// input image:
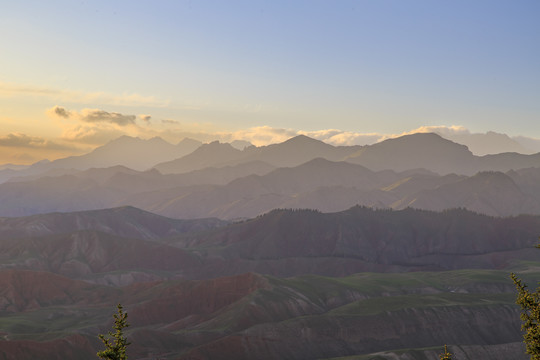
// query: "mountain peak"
[[419, 150], [123, 139], [157, 140], [302, 139]]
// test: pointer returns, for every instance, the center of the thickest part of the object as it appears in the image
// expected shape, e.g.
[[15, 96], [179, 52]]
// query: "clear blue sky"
[[358, 66]]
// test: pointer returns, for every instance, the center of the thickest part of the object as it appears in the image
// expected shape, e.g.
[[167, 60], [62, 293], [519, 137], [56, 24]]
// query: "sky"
[[77, 74]]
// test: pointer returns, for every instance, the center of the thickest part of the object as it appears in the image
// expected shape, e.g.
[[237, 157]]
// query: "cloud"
[[265, 135], [145, 118], [94, 135], [95, 126], [440, 129], [174, 122], [100, 126], [261, 135], [344, 138], [24, 158], [58, 111], [24, 141], [92, 116], [96, 115], [81, 97]]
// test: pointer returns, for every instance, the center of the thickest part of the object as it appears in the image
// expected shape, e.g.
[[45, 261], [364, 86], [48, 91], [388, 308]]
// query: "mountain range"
[[297, 250], [134, 153], [254, 188], [282, 243], [403, 153], [191, 293]]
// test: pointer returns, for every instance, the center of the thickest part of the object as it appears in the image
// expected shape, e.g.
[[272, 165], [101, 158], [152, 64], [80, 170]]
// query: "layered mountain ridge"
[[386, 251], [250, 189]]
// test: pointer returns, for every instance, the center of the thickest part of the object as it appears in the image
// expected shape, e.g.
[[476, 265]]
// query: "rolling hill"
[[251, 316]]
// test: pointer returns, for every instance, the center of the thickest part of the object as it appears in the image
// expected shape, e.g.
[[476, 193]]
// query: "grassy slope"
[[281, 304]]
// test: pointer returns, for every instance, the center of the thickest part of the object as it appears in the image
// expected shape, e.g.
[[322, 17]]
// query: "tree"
[[116, 343], [446, 355], [530, 315]]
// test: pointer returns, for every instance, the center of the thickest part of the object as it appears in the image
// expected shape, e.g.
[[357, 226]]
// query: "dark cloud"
[[59, 111], [96, 116], [93, 116]]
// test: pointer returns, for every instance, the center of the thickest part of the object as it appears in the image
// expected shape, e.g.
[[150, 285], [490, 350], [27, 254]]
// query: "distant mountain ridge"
[[292, 152], [281, 243], [492, 143], [131, 152], [250, 189], [134, 153], [218, 180], [124, 221], [420, 150]]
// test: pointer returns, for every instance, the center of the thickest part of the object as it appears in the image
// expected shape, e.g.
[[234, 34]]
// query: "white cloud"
[[261, 135], [441, 130], [343, 138], [264, 135]]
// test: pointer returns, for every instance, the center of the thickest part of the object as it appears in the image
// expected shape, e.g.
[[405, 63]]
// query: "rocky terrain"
[[252, 316]]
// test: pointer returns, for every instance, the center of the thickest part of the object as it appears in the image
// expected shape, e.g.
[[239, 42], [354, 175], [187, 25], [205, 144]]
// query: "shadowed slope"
[[124, 221]]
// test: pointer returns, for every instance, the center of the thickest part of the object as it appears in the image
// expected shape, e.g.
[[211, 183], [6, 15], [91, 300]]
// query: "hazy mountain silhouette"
[[254, 195], [491, 193], [507, 161], [131, 152], [134, 153], [422, 150], [214, 154], [432, 152], [488, 143], [292, 152], [529, 143], [217, 180], [240, 144], [73, 190], [234, 192], [298, 150]]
